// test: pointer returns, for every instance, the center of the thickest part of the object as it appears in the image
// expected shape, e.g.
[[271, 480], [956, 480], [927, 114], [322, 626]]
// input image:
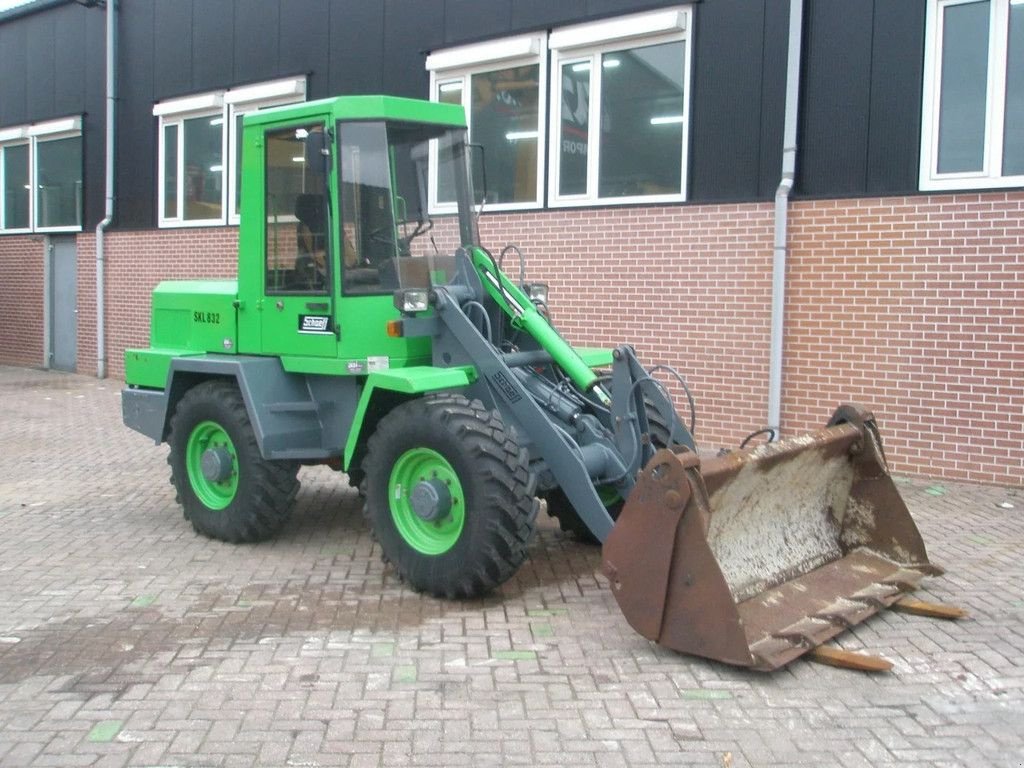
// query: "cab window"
[[296, 212]]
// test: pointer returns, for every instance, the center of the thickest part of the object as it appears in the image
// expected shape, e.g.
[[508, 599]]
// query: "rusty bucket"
[[756, 557]]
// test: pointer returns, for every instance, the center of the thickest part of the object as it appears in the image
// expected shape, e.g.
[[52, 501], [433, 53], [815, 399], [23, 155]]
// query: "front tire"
[[449, 496], [227, 489]]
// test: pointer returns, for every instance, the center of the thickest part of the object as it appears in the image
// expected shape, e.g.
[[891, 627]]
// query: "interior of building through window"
[[1013, 130], [16, 191], [59, 182], [505, 120], [238, 165], [574, 140], [171, 171], [204, 167], [642, 121], [962, 101], [448, 93]]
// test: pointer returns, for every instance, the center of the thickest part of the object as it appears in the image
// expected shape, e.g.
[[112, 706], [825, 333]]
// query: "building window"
[[620, 110], [502, 87], [200, 151], [973, 105], [16, 189], [41, 177]]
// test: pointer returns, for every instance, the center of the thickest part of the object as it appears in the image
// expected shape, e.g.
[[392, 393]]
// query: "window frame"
[[33, 136], [990, 175], [588, 43], [15, 137], [176, 113], [460, 65], [226, 105]]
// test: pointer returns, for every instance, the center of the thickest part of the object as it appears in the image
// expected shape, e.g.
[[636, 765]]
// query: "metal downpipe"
[[796, 12], [108, 206]]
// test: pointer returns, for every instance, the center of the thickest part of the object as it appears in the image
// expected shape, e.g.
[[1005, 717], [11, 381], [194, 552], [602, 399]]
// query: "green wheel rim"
[[213, 494], [608, 495], [427, 537]]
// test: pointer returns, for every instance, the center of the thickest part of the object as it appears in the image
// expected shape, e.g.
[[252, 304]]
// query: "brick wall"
[[21, 300], [135, 263], [913, 306]]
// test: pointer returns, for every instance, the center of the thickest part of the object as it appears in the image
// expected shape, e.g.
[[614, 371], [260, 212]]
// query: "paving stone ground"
[[128, 640]]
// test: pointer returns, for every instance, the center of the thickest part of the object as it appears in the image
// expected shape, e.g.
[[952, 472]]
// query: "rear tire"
[[227, 489], [474, 533]]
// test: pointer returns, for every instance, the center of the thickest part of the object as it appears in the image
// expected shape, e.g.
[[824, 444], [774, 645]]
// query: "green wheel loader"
[[363, 334]]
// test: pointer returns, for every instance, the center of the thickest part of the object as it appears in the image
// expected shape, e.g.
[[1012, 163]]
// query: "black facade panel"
[[69, 52], [471, 20], [94, 124], [257, 25], [42, 71], [136, 126], [256, 39], [305, 41], [213, 45], [411, 29], [599, 8], [543, 14], [897, 63], [773, 96], [172, 49], [726, 105], [14, 65], [836, 97], [356, 48]]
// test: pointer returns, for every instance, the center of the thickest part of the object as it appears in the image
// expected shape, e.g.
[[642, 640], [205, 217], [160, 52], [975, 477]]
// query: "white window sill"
[[57, 230], [190, 223], [969, 183], [601, 202]]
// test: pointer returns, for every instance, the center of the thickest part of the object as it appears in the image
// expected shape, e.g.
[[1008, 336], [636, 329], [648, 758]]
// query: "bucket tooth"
[[907, 579], [808, 632], [878, 595], [774, 652], [845, 613]]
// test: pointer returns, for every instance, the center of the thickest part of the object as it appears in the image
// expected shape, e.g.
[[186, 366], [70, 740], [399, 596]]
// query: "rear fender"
[[294, 416]]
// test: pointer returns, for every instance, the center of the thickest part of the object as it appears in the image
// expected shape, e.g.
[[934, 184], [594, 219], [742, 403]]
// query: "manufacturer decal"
[[378, 363], [315, 324], [505, 386], [354, 366]]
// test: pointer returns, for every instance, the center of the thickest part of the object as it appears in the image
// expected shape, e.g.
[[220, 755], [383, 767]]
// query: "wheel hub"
[[216, 464], [431, 500], [428, 505]]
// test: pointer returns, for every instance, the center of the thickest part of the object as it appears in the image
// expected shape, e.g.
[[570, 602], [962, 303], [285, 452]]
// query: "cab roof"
[[365, 108]]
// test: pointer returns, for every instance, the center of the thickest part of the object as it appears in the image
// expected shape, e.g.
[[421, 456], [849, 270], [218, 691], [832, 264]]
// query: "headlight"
[[412, 300], [538, 292]]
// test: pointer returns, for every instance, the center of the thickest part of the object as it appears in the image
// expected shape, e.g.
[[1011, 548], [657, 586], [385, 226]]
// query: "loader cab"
[[337, 220]]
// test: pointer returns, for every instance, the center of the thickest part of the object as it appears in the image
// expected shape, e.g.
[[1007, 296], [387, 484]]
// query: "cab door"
[[300, 267]]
